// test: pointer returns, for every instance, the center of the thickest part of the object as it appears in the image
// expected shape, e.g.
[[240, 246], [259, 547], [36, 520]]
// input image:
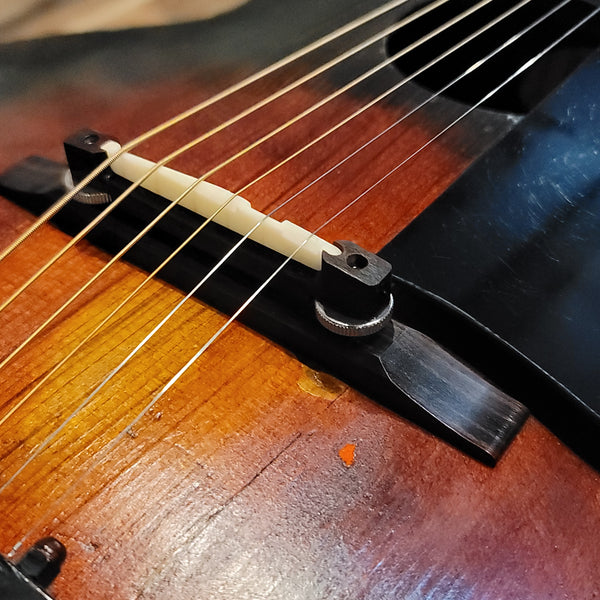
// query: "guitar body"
[[253, 476]]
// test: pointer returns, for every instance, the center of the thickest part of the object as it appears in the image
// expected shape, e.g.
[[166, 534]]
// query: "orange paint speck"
[[347, 454]]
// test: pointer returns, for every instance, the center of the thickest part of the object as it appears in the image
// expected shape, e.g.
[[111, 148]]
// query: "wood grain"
[[232, 486]]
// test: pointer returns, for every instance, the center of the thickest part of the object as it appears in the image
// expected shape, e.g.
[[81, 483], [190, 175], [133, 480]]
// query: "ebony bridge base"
[[403, 363]]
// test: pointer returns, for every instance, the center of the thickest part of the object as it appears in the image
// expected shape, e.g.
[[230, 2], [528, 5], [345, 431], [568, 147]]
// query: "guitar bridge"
[[352, 318]]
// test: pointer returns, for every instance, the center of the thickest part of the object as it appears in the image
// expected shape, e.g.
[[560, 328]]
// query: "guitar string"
[[229, 91], [37, 451], [341, 211], [17, 293], [199, 180], [285, 161], [261, 104], [102, 454]]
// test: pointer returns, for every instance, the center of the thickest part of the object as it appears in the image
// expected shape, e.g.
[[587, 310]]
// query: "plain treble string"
[[204, 177], [263, 73], [101, 457], [345, 121], [251, 298]]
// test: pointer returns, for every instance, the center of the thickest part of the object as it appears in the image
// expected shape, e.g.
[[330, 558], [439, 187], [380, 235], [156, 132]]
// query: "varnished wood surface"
[[232, 486]]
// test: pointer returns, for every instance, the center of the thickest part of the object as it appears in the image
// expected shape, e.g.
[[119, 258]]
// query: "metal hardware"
[[29, 578], [353, 296]]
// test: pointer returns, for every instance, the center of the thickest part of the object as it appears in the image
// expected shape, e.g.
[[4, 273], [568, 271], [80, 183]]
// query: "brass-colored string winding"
[[104, 452], [263, 73], [199, 180]]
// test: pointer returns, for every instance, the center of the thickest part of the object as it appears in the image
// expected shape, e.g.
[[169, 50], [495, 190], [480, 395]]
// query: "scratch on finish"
[[229, 500]]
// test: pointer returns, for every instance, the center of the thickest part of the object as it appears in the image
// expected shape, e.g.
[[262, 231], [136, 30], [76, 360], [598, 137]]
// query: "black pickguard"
[[515, 242]]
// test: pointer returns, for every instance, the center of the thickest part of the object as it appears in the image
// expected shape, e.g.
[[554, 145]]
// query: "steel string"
[[263, 73], [204, 177], [88, 399], [67, 197], [101, 457], [345, 121]]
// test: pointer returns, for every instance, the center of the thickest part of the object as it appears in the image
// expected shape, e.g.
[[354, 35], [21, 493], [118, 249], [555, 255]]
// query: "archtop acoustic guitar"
[[302, 302]]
